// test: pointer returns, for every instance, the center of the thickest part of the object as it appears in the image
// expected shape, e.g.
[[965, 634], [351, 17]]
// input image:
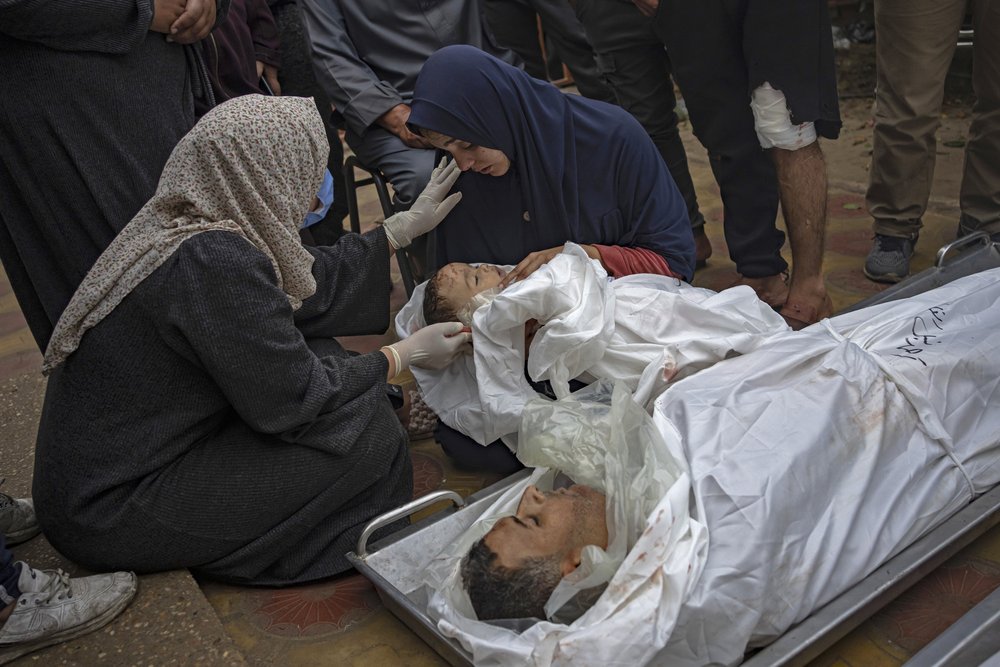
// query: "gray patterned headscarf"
[[251, 166]]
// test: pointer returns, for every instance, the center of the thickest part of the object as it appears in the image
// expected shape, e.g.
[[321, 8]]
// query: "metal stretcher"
[[393, 563]]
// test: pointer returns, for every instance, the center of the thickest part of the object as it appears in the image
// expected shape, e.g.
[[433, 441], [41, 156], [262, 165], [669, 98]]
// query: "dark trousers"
[[705, 45], [297, 78], [9, 575], [634, 63], [468, 454], [514, 25]]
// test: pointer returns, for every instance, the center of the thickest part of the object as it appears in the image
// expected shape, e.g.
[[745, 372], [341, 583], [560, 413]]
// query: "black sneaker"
[[889, 259]]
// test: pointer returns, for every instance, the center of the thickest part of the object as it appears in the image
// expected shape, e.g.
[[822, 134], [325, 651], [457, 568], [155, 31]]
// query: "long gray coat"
[[91, 104], [197, 427]]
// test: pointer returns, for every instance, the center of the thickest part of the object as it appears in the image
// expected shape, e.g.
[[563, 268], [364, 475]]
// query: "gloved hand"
[[429, 209], [435, 346]]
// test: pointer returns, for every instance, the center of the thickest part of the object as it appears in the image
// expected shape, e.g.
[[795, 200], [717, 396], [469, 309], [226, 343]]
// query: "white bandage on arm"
[[773, 121]]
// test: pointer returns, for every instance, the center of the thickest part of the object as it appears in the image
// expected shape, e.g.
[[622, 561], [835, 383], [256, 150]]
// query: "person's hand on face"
[[556, 523], [530, 264], [537, 259], [470, 157], [428, 210], [395, 119], [647, 7], [459, 282]]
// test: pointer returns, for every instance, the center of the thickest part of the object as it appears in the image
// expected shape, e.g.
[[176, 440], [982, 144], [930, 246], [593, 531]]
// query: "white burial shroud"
[[655, 553], [827, 451], [644, 330], [812, 461]]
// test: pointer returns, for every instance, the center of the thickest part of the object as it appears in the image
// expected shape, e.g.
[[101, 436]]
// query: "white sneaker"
[[53, 608], [17, 519]]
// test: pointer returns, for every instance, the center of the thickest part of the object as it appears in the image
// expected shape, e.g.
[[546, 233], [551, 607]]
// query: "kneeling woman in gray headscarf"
[[199, 413]]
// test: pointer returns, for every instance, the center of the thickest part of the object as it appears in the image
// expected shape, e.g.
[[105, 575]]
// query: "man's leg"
[[408, 170], [515, 25], [562, 27], [297, 78], [10, 573], [802, 183], [980, 196], [704, 42], [635, 64], [915, 42], [789, 53]]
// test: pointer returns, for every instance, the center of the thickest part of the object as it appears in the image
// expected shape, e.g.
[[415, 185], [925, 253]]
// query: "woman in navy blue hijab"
[[542, 168]]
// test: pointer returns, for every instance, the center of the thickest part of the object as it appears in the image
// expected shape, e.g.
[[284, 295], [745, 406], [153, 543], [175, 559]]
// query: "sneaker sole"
[[22, 535], [14, 651], [883, 277]]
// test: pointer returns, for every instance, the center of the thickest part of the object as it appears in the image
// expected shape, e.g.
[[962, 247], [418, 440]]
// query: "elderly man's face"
[[459, 282], [557, 523]]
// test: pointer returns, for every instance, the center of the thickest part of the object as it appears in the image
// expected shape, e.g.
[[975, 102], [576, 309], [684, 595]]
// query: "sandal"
[[800, 315], [422, 419]]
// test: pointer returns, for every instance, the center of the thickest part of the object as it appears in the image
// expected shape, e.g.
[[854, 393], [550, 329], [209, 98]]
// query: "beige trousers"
[[915, 44]]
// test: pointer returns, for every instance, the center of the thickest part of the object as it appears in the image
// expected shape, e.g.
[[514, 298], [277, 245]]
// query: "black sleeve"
[[224, 303], [352, 287], [108, 26]]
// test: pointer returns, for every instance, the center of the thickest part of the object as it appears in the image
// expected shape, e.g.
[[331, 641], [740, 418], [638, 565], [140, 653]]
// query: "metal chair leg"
[[377, 179]]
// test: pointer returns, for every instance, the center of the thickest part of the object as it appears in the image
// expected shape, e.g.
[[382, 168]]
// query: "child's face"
[[460, 282]]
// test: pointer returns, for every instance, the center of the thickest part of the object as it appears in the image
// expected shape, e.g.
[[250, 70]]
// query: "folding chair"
[[377, 178]]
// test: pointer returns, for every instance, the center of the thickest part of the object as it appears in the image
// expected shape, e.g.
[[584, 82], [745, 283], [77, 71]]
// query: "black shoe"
[[889, 259]]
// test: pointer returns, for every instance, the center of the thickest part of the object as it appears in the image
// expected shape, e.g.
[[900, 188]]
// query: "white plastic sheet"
[[610, 443], [644, 330]]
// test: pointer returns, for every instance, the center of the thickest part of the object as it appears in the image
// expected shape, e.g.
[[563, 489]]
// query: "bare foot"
[[702, 249], [772, 290], [806, 304]]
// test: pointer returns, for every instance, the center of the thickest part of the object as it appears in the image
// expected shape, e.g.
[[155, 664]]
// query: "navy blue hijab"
[[581, 170]]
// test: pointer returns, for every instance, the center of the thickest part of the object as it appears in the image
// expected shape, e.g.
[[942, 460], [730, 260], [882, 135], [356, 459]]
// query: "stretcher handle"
[[402, 511], [971, 239]]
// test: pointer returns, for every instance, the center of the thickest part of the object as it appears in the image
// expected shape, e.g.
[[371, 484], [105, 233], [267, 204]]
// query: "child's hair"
[[436, 306]]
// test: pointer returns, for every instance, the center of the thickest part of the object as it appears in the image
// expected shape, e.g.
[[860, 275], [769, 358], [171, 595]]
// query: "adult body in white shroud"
[[811, 461]]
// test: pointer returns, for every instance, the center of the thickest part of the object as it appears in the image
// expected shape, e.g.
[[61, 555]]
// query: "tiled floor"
[[342, 622]]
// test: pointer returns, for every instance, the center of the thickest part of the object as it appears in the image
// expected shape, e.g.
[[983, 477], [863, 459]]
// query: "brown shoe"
[[702, 249], [799, 315], [772, 290]]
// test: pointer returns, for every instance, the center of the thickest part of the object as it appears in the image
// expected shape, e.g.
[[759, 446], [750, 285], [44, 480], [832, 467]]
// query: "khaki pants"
[[915, 44]]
